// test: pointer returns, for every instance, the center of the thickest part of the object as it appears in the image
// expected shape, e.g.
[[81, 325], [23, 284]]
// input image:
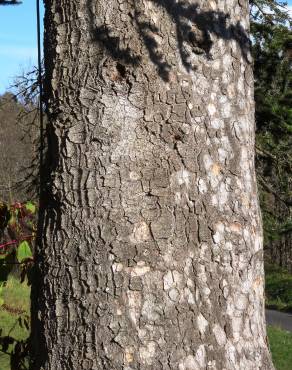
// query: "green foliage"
[[273, 88], [1, 291], [272, 47], [30, 207], [280, 344], [278, 288], [23, 252], [17, 234], [18, 225], [14, 325]]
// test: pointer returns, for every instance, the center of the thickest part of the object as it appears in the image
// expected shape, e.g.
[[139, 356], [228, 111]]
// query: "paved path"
[[282, 319]]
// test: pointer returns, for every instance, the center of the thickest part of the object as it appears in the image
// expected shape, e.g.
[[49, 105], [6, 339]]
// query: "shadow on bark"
[[49, 215], [194, 29]]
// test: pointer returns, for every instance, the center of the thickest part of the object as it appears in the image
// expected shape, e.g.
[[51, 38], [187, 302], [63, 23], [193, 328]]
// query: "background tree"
[[272, 42], [150, 251], [10, 2]]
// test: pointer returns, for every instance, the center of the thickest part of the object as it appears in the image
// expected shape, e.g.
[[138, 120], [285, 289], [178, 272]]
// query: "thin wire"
[[40, 82]]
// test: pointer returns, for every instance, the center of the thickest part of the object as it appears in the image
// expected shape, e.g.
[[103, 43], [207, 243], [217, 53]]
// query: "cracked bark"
[[151, 249]]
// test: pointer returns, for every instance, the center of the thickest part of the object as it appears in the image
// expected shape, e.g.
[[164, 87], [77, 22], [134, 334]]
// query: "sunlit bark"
[[151, 253]]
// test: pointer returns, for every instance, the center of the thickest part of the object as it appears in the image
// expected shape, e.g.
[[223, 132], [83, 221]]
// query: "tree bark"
[[150, 248]]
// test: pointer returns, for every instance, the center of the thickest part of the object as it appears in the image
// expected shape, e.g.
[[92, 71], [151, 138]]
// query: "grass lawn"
[[16, 298], [281, 347]]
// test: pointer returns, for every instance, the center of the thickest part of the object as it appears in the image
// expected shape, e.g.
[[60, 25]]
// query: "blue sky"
[[18, 40]]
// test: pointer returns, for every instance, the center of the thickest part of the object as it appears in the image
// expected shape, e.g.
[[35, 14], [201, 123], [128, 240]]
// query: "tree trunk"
[[151, 253]]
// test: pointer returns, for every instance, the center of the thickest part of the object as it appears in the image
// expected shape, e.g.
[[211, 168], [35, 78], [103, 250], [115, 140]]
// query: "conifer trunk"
[[151, 251]]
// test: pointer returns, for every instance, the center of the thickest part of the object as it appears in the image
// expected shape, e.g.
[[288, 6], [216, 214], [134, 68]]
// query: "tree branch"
[[287, 202], [10, 2]]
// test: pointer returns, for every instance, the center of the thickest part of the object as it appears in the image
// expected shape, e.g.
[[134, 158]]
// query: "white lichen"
[[219, 335], [168, 281], [128, 355], [202, 186], [177, 197], [140, 233], [189, 363], [216, 123], [188, 295], [147, 353], [202, 323], [241, 302], [201, 356], [117, 267], [211, 109], [134, 176], [139, 270], [150, 309], [183, 177], [208, 162], [174, 294], [134, 305]]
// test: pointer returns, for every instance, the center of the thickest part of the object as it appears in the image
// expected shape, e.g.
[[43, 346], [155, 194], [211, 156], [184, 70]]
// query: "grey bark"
[[151, 249]]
